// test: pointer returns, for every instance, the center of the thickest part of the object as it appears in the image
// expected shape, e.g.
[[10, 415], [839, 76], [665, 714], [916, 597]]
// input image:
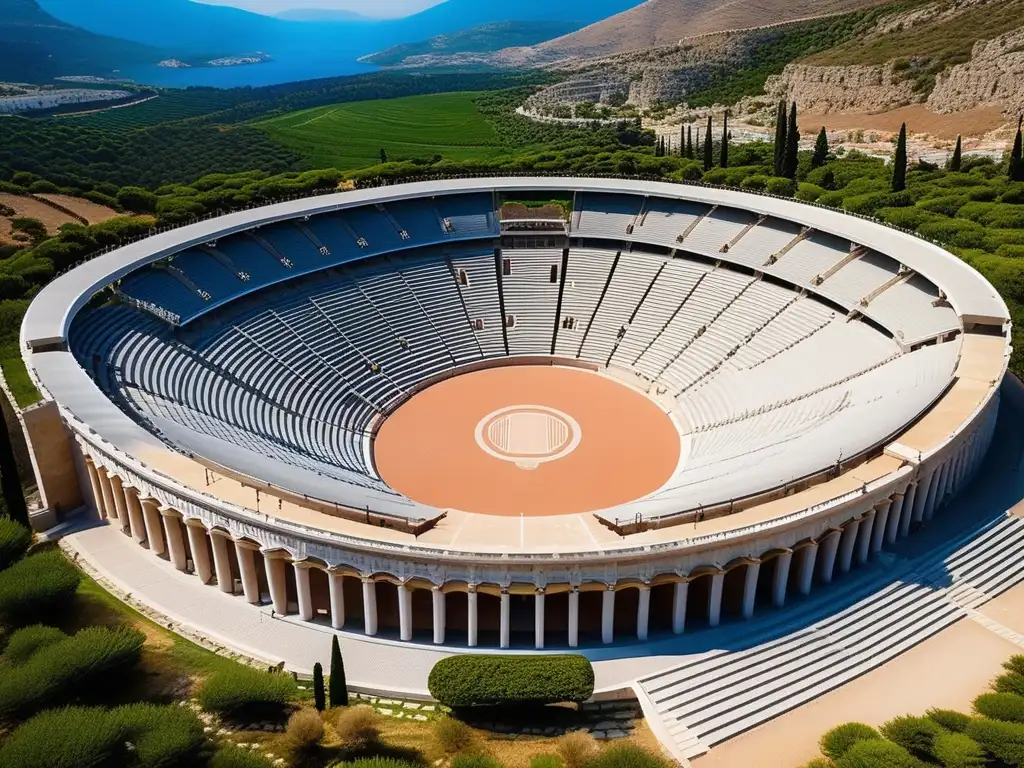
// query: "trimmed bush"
[[15, 539], [819, 762], [1004, 741], [1008, 707], [577, 749], [244, 691], [958, 750], [54, 674], [546, 761], [452, 735], [26, 641], [914, 734], [474, 681], [1015, 664], [319, 692], [1009, 682], [877, 753], [777, 185], [839, 740], [36, 588], [162, 737], [357, 727], [73, 737], [627, 756], [949, 719], [475, 761], [236, 757]]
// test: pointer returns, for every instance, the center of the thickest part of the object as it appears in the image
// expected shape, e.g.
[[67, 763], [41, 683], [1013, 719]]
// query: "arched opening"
[[590, 616], [422, 614], [352, 590], [556, 619], [236, 574], [456, 622], [522, 617], [290, 587], [488, 619], [320, 595], [732, 591], [662, 605], [698, 597], [388, 618], [262, 585], [627, 605], [766, 581]]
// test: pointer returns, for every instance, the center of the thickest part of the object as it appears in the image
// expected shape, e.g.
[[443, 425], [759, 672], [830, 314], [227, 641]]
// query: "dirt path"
[[919, 119]]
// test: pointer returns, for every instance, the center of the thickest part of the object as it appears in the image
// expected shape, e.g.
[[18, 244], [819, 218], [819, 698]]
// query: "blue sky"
[[374, 8]]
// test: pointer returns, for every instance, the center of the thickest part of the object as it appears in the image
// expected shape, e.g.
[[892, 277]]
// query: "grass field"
[[351, 135]]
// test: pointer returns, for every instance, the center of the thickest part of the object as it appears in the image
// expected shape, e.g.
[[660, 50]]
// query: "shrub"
[[1008, 707], [26, 641], [452, 735], [469, 681], [236, 757], [577, 749], [1010, 682], [244, 690], [1004, 741], [357, 727], [55, 673], [958, 750], [809, 192], [377, 762], [777, 185], [162, 737], [820, 762], [837, 742], [36, 588], [627, 756], [877, 753], [1015, 664], [475, 761], [73, 737], [546, 761], [15, 539], [949, 719], [914, 734], [319, 692], [304, 733]]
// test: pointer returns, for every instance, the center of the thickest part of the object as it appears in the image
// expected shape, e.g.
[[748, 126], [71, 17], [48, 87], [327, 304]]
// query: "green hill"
[[37, 47]]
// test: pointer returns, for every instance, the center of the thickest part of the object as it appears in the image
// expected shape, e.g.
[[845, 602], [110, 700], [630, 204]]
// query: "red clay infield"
[[532, 440]]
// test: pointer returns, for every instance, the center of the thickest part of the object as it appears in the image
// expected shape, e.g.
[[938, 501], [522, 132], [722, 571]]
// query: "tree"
[[724, 157], [820, 149], [338, 692], [689, 141], [682, 141], [383, 155], [957, 158], [789, 163], [899, 162], [10, 482], [319, 697], [1016, 168], [708, 157], [780, 138]]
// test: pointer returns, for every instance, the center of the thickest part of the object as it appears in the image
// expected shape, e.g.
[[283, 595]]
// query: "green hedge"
[[1004, 741], [237, 757], [15, 539], [958, 750], [162, 737], [473, 681], [56, 673], [876, 753], [915, 734], [1008, 707], [1009, 682], [474, 761], [74, 737], [949, 719], [26, 641], [36, 588], [838, 741], [244, 691]]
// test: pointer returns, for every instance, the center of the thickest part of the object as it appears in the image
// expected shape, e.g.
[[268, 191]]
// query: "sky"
[[381, 9]]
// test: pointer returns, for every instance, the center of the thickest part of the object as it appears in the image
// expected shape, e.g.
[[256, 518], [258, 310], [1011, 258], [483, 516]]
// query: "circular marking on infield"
[[587, 441]]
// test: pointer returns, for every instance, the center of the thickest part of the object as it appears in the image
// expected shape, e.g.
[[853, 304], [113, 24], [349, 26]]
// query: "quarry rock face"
[[994, 75], [874, 88]]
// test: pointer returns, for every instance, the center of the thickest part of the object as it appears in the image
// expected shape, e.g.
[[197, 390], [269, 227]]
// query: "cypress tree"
[[791, 157], [383, 155], [820, 149], [957, 158], [682, 141], [10, 482], [724, 158], [899, 162], [780, 138], [689, 141], [338, 688], [319, 696], [708, 156], [1016, 169]]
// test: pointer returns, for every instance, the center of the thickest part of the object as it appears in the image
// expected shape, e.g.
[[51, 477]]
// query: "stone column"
[[828, 556], [574, 618], [715, 599], [934, 500], [505, 639], [608, 616], [175, 538], [97, 489], [880, 528], [302, 591], [680, 592], [781, 578], [404, 613], [538, 619], [440, 616], [245, 554], [750, 588], [107, 493], [154, 531], [120, 504], [867, 528], [369, 607], [336, 585], [808, 559], [135, 519], [276, 581], [924, 489], [643, 614], [846, 544], [892, 529], [472, 620], [222, 562], [200, 554]]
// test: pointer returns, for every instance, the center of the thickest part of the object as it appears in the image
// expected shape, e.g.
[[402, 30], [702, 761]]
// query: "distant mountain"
[[454, 15], [36, 47], [482, 39], [320, 14]]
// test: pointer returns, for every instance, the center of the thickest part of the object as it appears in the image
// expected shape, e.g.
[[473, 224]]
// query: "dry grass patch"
[[37, 209], [92, 212]]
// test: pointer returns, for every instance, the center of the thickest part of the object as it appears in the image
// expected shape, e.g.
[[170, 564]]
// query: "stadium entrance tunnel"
[[535, 440]]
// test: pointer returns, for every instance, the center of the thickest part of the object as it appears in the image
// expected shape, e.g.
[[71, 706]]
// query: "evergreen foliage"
[[820, 155], [708, 154], [838, 741], [899, 162], [780, 139], [1015, 169], [485, 680], [244, 691], [915, 734], [10, 482], [36, 588], [958, 156], [724, 158], [791, 157], [338, 686], [319, 695], [15, 539]]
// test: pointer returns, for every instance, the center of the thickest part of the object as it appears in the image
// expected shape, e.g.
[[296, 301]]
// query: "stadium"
[[431, 414]]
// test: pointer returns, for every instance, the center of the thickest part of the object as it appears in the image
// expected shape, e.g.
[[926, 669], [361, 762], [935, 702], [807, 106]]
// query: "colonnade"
[[529, 612]]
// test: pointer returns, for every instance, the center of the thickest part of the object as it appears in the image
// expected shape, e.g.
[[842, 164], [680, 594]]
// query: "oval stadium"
[[442, 416]]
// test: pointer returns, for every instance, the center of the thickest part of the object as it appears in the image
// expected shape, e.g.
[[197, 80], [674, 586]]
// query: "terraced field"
[[352, 135]]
